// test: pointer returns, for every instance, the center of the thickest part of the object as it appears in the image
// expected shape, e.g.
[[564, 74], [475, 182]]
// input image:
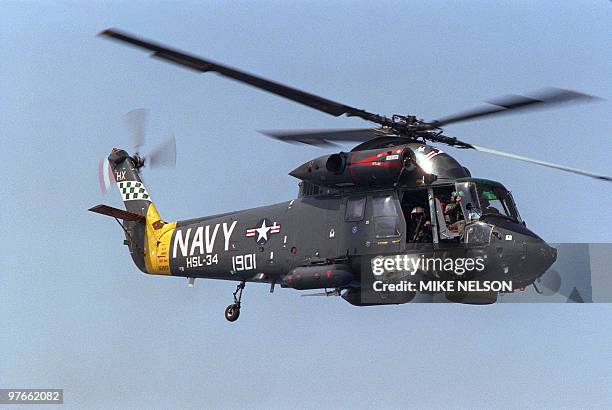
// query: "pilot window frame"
[[351, 202]]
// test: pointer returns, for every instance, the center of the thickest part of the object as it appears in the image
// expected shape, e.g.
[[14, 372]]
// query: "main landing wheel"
[[232, 312]]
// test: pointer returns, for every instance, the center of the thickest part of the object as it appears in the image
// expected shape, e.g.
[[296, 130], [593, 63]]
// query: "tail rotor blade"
[[105, 176], [135, 121], [164, 155]]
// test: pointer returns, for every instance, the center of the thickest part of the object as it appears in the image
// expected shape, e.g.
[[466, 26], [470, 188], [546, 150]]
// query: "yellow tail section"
[[157, 243]]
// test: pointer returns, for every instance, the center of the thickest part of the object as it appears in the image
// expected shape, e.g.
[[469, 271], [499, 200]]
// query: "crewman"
[[422, 226], [454, 214], [487, 208]]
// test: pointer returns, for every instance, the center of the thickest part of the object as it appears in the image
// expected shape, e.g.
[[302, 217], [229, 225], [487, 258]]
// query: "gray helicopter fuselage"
[[330, 235]]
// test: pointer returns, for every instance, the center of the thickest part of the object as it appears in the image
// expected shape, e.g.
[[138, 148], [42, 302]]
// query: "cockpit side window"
[[355, 209]]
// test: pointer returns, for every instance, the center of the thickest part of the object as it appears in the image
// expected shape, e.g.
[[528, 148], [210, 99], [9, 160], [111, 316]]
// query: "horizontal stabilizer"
[[116, 213]]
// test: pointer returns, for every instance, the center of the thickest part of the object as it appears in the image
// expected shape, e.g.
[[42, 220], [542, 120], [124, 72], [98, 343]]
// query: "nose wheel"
[[232, 312]]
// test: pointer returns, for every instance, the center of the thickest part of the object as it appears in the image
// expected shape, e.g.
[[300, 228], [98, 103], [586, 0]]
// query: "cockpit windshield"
[[482, 198], [496, 200]]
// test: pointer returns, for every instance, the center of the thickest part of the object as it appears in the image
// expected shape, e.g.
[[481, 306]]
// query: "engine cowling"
[[414, 163], [370, 167]]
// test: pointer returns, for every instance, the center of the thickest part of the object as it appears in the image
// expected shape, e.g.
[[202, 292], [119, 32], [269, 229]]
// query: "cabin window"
[[386, 218], [355, 208]]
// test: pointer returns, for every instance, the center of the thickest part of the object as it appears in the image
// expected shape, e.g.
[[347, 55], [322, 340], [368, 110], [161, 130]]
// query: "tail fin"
[[151, 252], [133, 192]]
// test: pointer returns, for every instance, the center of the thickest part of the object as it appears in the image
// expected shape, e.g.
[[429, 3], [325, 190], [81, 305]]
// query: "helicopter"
[[392, 198]]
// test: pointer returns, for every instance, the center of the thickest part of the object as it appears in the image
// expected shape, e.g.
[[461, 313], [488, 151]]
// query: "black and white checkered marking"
[[133, 190]]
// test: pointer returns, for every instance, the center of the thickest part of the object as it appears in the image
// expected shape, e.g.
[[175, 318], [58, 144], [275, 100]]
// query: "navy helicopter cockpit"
[[481, 215]]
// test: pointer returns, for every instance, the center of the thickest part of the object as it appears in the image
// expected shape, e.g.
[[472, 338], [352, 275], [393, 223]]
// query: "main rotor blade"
[[547, 97], [203, 65], [543, 163], [327, 137]]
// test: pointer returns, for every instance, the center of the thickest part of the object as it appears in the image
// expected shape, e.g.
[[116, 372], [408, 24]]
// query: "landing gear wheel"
[[232, 312]]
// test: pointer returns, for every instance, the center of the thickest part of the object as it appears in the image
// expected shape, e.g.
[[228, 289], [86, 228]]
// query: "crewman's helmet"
[[417, 210]]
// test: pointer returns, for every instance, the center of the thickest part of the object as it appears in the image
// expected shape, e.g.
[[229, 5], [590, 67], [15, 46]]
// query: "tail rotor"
[[164, 155], [135, 122], [161, 156]]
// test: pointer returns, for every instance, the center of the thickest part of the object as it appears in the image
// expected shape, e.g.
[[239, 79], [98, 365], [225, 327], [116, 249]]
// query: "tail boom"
[[151, 233]]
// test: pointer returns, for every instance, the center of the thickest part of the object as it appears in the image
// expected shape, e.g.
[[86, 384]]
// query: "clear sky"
[[76, 314]]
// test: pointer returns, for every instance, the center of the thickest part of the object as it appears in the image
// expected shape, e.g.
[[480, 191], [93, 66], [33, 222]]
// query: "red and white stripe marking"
[[432, 154]]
